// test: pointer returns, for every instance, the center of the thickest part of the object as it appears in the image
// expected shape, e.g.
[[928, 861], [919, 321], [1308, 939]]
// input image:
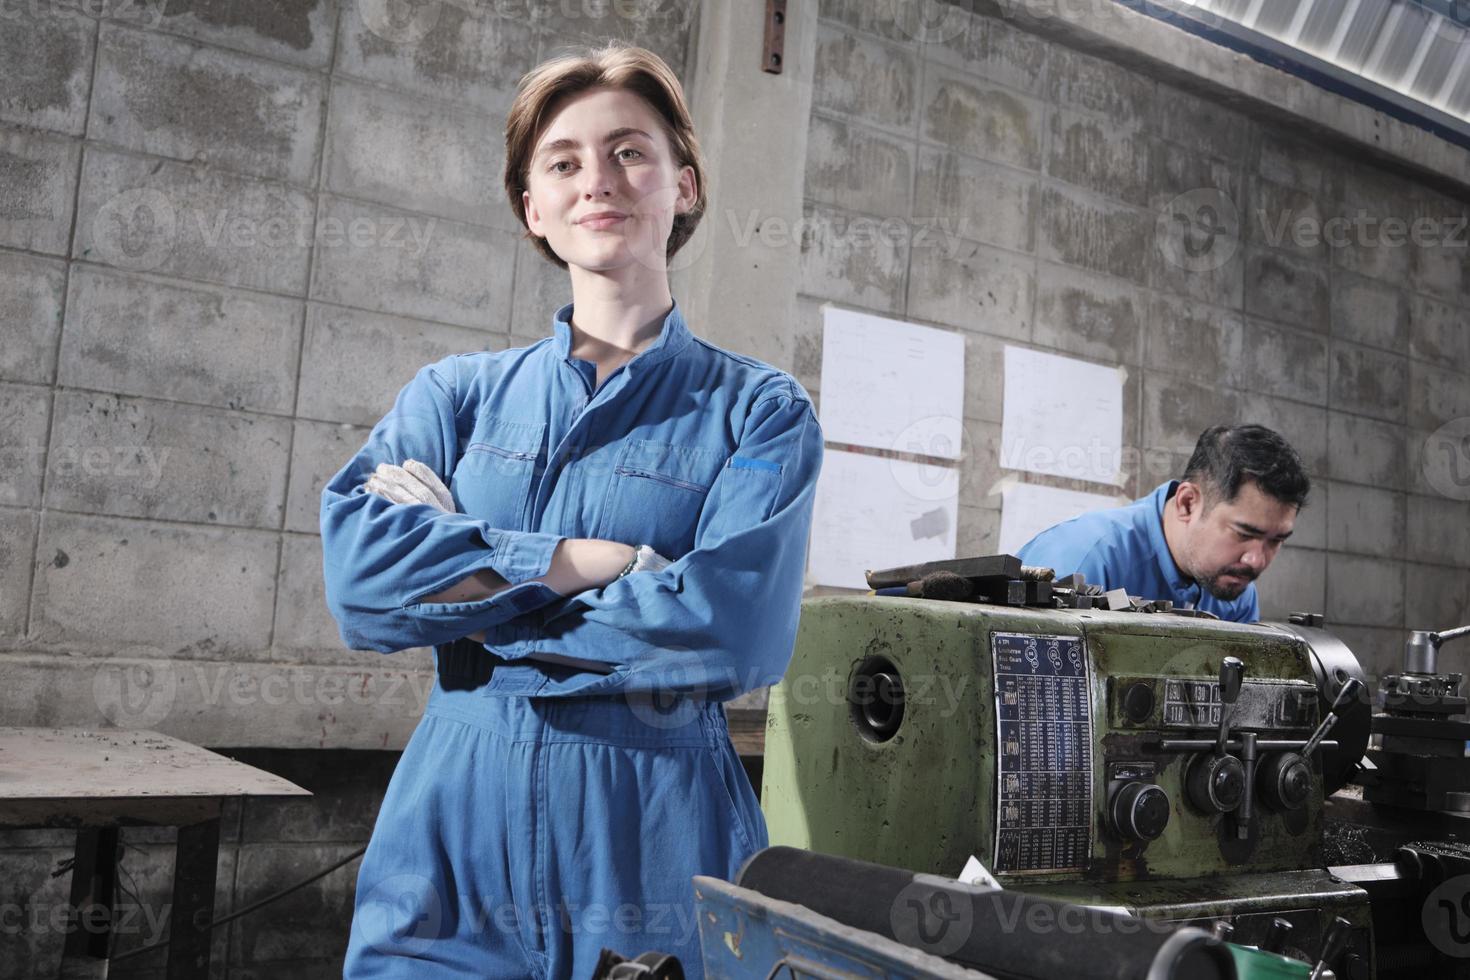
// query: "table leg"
[[89, 918], [195, 861]]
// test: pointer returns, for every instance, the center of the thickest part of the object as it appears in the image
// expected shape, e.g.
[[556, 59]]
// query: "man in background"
[[1200, 541]]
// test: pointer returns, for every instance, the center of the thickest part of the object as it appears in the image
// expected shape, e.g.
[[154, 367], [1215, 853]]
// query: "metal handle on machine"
[[1349, 691], [1232, 672], [1235, 745], [1332, 946]]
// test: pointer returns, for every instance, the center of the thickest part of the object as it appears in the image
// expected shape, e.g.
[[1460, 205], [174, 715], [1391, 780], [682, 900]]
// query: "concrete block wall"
[[228, 234], [974, 174]]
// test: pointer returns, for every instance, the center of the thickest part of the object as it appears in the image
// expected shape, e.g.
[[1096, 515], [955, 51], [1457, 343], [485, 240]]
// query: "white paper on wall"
[[1062, 416], [892, 385], [1027, 510], [872, 512]]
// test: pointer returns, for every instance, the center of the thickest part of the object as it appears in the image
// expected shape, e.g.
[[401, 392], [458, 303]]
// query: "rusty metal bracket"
[[773, 53]]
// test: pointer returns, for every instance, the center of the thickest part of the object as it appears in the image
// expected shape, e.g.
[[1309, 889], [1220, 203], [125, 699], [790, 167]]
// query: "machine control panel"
[[1194, 703]]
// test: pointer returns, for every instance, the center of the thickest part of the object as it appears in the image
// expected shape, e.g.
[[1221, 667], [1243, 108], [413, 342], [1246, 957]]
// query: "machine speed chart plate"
[[1043, 726]]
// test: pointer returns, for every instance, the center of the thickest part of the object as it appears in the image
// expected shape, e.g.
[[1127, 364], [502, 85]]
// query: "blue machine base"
[[747, 936]]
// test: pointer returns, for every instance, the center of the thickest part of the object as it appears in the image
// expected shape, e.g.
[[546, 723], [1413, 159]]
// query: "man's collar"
[[1170, 570]]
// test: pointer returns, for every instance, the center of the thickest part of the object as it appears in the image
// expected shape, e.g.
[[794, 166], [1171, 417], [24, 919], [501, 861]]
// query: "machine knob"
[[1138, 701], [1216, 783], [1285, 781], [1276, 933], [1140, 811]]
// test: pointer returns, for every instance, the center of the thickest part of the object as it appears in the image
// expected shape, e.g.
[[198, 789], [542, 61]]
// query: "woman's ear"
[[533, 216], [688, 191]]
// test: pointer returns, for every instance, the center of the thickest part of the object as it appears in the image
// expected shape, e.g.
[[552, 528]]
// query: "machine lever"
[[1232, 672], [1346, 695], [1275, 938], [1332, 946]]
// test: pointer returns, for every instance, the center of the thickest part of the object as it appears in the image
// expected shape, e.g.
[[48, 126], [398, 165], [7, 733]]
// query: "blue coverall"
[[572, 773], [1124, 548]]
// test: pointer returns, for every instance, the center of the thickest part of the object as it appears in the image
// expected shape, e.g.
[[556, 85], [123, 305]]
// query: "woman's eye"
[[628, 153], [560, 166]]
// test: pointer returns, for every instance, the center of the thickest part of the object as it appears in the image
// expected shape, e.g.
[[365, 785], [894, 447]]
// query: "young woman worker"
[[603, 536]]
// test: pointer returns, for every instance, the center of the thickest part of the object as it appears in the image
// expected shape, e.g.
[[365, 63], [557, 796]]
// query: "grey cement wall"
[[229, 232], [969, 174]]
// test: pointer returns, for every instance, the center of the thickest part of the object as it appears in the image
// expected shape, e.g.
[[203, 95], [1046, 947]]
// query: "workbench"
[[99, 781]]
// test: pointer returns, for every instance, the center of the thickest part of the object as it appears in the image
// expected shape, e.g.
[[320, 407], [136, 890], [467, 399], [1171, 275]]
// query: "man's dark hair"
[[1226, 456]]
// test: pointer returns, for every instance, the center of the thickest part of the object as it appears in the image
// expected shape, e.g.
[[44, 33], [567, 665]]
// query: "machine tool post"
[[1421, 652]]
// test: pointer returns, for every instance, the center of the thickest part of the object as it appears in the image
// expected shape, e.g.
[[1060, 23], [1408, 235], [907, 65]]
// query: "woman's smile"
[[603, 220]]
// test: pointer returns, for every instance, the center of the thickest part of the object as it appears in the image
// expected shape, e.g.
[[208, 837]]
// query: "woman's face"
[[604, 185]]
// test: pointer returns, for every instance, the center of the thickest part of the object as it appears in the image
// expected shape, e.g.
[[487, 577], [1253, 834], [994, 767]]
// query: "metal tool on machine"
[[1089, 748], [1420, 761]]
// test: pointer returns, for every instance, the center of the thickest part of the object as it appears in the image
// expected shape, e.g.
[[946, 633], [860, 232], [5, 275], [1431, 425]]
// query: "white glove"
[[411, 483], [645, 559]]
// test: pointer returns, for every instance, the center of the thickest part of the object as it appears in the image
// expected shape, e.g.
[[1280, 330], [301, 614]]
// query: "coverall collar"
[[1167, 567], [673, 337]]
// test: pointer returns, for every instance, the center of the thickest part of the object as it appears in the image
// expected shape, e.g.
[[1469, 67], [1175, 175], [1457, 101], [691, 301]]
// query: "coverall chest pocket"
[[494, 477], [656, 494]]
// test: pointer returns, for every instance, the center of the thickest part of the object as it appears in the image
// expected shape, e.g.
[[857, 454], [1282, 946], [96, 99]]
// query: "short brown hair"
[[615, 66]]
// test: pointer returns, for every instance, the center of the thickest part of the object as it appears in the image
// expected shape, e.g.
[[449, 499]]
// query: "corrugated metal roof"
[[1417, 48]]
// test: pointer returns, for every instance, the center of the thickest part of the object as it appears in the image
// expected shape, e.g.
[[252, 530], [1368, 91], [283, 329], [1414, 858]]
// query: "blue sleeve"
[[380, 559], [1065, 549], [721, 619]]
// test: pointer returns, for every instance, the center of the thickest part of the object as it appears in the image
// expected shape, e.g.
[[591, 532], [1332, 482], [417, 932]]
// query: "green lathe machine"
[[1088, 748]]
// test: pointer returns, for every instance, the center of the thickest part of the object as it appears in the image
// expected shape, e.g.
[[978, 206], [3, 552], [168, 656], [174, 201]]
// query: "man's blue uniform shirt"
[[1124, 548]]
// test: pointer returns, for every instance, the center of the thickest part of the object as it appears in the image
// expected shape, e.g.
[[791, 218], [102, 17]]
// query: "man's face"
[[1228, 545]]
